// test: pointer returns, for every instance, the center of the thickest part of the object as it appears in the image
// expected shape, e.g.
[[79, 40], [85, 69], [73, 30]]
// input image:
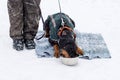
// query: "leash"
[[43, 26], [62, 23], [59, 6], [40, 13]]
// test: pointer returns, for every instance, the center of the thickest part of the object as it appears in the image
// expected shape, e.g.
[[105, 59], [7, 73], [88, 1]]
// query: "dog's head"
[[68, 48], [67, 45]]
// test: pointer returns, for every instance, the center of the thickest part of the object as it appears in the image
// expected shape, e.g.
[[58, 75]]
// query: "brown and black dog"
[[62, 37]]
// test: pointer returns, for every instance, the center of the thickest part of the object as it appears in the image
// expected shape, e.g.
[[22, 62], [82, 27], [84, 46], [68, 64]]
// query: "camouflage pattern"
[[24, 18]]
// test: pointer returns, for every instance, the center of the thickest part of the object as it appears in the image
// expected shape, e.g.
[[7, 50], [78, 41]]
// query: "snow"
[[96, 16]]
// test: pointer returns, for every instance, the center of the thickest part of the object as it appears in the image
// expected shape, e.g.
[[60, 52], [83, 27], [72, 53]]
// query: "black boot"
[[29, 44], [18, 44]]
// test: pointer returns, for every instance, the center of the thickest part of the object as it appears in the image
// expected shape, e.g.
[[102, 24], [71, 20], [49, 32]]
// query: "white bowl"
[[69, 61]]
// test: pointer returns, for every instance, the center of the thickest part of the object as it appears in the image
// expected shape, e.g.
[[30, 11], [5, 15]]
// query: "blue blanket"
[[93, 46]]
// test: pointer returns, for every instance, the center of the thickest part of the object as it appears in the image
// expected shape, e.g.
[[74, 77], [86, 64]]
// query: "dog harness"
[[67, 28]]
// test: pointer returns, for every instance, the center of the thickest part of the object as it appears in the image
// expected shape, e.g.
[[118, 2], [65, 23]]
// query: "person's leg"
[[31, 18], [15, 10], [31, 21]]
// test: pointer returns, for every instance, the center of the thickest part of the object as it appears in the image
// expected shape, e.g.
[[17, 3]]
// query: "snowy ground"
[[97, 16]]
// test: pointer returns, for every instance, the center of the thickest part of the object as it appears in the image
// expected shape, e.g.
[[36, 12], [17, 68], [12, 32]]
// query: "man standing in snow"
[[24, 18]]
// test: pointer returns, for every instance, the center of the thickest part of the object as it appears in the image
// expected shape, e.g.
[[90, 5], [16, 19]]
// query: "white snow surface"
[[96, 16]]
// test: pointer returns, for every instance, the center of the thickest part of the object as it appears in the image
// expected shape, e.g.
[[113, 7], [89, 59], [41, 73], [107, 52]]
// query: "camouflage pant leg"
[[31, 18], [24, 18], [15, 10]]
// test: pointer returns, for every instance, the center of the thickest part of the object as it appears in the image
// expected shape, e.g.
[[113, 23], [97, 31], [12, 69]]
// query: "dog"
[[59, 28]]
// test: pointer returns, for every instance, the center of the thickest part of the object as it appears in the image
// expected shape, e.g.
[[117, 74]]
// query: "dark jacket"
[[53, 23]]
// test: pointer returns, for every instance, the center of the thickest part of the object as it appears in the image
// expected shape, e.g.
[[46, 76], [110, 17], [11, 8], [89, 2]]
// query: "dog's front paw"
[[80, 51], [56, 54], [56, 51]]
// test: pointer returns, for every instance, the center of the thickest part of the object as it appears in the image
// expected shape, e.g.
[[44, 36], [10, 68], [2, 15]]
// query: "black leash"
[[40, 13], [43, 26], [42, 20], [62, 23]]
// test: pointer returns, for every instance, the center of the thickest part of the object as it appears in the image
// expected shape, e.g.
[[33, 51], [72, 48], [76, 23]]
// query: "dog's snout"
[[73, 55]]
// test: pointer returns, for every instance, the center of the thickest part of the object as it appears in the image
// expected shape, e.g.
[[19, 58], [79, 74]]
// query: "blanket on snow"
[[93, 46]]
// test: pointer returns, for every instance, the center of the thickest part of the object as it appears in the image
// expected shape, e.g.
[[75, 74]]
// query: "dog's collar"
[[67, 28]]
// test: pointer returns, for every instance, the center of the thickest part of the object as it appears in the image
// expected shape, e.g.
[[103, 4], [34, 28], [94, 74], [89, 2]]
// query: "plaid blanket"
[[93, 46]]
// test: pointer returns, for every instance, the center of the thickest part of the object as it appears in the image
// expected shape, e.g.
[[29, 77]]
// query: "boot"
[[18, 44], [29, 44]]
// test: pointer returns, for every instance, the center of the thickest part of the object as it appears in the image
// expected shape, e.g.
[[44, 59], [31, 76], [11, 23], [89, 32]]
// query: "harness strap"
[[53, 21], [67, 28]]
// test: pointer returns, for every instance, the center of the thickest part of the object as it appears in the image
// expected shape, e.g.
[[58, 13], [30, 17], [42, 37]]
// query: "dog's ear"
[[79, 51]]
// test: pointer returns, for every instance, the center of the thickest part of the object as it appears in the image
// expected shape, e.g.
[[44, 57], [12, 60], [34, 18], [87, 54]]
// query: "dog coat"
[[54, 23]]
